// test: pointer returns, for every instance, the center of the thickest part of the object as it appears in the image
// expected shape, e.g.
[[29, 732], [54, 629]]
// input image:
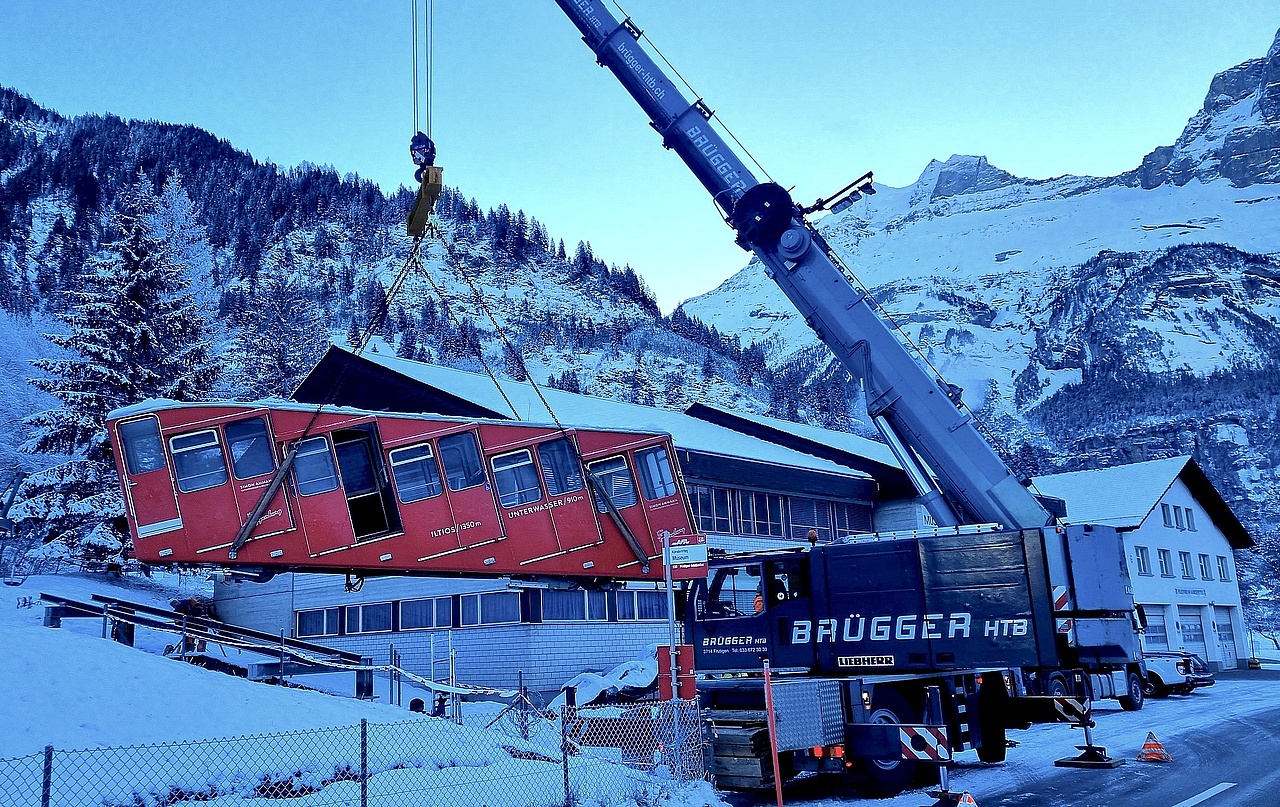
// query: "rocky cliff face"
[[1235, 135]]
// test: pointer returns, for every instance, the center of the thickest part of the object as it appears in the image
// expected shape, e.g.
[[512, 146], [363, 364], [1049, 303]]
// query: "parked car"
[[1175, 672]]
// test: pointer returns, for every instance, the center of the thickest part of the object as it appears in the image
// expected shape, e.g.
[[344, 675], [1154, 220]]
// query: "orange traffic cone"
[[965, 798], [1153, 750]]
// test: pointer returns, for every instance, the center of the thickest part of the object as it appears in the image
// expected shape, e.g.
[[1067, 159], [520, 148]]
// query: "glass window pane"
[[810, 514], [655, 473], [375, 617], [313, 468], [735, 591], [415, 472], [417, 614], [470, 609], [560, 606], [500, 608], [616, 480], [652, 604], [626, 605], [561, 470], [197, 461], [250, 448], [444, 612], [143, 451], [597, 605], [353, 619], [311, 623], [461, 458], [356, 463], [517, 479]]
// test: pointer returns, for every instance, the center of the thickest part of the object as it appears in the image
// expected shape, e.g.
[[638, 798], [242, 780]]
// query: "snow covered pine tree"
[[137, 333]]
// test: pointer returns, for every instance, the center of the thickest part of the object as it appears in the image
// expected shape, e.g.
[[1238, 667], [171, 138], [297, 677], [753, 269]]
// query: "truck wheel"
[[1132, 702], [1155, 687], [993, 700], [1058, 686], [889, 777]]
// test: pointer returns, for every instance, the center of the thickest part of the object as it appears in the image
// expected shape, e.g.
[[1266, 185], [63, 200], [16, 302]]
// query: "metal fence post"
[[364, 762], [46, 786], [570, 700]]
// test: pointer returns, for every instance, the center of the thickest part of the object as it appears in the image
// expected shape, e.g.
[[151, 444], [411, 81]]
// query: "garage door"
[[1226, 636], [1192, 631], [1156, 637]]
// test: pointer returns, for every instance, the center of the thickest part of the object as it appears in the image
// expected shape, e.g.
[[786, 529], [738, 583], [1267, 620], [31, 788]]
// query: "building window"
[[250, 448], [498, 608], [1167, 512], [1177, 517], [432, 612], [313, 469], [373, 618], [517, 478], [852, 518], [616, 480], [560, 469], [711, 509], [1187, 572], [1206, 571], [417, 477], [655, 473], [319, 622], [1224, 571], [634, 605], [1166, 562], [197, 461], [1191, 519], [809, 514], [574, 606], [760, 513], [1144, 560], [143, 451], [461, 459]]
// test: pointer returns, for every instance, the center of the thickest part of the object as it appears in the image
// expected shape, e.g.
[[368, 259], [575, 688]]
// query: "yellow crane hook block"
[[428, 193]]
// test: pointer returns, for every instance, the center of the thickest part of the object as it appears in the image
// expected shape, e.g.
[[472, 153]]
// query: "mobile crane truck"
[[954, 634]]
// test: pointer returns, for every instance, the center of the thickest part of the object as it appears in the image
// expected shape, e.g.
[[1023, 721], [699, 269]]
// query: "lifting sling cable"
[[366, 337], [597, 485]]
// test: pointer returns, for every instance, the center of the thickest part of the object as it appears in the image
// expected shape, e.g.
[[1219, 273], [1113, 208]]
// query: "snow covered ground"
[[71, 689]]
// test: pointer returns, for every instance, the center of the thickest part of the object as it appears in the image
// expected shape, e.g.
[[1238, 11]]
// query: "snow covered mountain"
[[1141, 297]]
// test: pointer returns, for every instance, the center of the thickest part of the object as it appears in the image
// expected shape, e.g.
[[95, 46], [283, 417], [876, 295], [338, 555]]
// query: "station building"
[[1179, 537], [754, 483]]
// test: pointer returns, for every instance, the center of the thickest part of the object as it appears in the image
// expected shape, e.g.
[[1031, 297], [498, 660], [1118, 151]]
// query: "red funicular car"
[[371, 492]]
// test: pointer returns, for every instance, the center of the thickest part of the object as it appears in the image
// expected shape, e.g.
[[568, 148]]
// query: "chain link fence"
[[640, 754]]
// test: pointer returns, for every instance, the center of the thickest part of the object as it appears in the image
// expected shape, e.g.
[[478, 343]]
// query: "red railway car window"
[[415, 472], [197, 461], [461, 458], [516, 477], [143, 450], [616, 479], [561, 471], [250, 448], [313, 469], [655, 473]]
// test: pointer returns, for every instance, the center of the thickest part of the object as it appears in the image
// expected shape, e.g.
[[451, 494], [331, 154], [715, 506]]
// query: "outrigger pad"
[[1092, 756], [428, 193]]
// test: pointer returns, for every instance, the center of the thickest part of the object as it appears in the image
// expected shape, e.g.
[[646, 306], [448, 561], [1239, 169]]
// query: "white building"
[[1179, 537]]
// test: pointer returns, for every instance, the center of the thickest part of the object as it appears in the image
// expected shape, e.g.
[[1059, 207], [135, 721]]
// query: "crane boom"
[[930, 434]]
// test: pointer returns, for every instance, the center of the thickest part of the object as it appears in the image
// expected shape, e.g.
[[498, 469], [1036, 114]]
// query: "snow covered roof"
[[1124, 495], [844, 442], [687, 432]]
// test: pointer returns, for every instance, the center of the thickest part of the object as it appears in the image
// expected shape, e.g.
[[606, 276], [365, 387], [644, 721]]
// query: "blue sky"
[[819, 91]]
